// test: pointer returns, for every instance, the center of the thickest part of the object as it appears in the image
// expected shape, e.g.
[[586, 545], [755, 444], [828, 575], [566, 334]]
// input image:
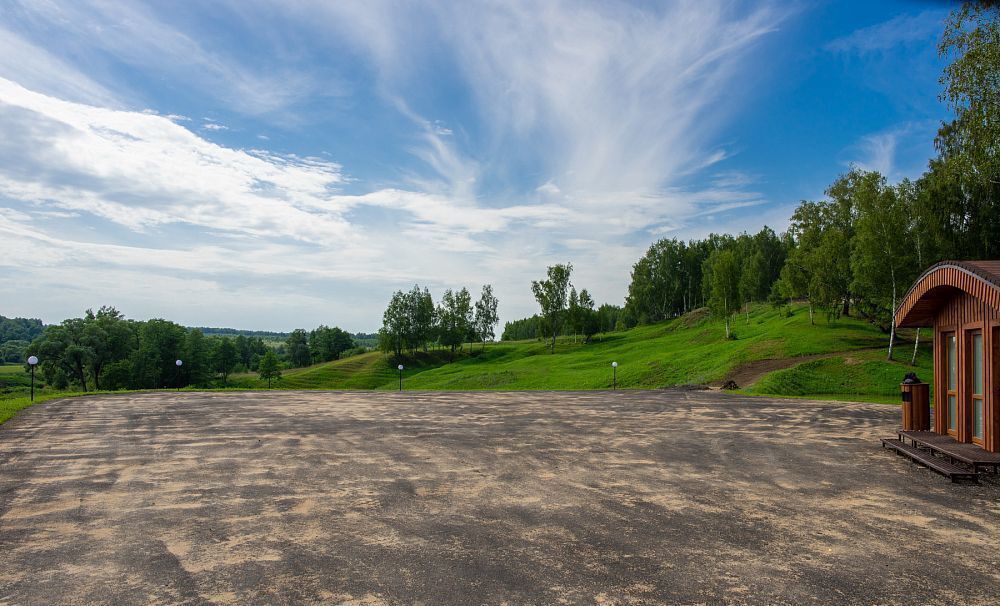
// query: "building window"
[[952, 392], [978, 389]]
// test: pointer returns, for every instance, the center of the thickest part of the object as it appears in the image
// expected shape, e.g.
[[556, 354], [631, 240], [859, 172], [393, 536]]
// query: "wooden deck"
[[929, 460], [953, 450]]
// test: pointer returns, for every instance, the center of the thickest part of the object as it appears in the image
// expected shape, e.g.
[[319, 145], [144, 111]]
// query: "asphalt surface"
[[480, 498]]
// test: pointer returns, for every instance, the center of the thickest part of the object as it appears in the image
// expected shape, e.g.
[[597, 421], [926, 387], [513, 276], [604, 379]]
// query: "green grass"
[[14, 379], [861, 375], [688, 350], [371, 370], [13, 401]]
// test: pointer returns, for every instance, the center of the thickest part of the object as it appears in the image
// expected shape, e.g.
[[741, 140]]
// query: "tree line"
[[413, 322], [15, 336], [608, 319], [321, 344], [721, 271], [105, 351]]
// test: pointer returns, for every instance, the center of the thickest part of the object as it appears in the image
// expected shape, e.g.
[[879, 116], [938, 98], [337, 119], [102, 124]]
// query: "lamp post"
[[400, 369], [32, 362], [177, 375], [614, 375]]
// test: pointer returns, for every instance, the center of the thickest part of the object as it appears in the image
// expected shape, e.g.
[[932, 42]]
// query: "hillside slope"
[[844, 358]]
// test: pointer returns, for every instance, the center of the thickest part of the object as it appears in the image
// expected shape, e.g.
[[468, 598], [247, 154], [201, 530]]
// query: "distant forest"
[[104, 350], [15, 335], [208, 331]]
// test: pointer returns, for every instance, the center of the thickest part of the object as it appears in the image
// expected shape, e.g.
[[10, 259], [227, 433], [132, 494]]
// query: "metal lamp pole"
[[32, 362], [614, 375], [177, 375], [400, 369]]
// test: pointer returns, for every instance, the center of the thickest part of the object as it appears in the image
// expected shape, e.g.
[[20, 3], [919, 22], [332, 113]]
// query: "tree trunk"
[[916, 344], [892, 329], [892, 339], [727, 327], [812, 320]]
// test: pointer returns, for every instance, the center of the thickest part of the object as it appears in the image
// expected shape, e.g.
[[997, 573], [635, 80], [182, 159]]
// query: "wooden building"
[[960, 300]]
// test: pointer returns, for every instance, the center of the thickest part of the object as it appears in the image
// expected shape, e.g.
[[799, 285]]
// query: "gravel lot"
[[480, 498]]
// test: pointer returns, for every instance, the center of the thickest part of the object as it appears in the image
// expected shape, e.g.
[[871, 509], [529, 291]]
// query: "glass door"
[[951, 394], [977, 387]]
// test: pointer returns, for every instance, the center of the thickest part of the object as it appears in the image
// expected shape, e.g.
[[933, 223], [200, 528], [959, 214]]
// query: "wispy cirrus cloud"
[[900, 30], [603, 97], [102, 36], [898, 152], [37, 68]]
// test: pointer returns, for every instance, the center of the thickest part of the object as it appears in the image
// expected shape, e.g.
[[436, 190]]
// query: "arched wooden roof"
[[941, 281]]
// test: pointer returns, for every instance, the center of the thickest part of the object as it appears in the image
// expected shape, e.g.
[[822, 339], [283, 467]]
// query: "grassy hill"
[[842, 359]]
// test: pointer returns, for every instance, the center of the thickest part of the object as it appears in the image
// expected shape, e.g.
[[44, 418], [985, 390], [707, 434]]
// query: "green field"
[[688, 350], [848, 362]]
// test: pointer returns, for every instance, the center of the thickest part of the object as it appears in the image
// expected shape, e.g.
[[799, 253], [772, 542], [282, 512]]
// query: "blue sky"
[[275, 165]]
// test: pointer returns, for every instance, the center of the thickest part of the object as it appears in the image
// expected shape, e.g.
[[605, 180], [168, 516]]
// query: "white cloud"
[[214, 126], [621, 100], [99, 34], [36, 68], [549, 188], [441, 129], [612, 102], [898, 152], [141, 170], [171, 117], [879, 152], [900, 30]]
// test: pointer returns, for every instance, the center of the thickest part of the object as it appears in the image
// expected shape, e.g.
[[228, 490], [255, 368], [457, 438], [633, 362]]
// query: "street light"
[[32, 362], [177, 375], [614, 375], [400, 369]]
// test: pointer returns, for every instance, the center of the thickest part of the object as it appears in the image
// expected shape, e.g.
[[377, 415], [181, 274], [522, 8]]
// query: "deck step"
[[953, 450], [951, 471]]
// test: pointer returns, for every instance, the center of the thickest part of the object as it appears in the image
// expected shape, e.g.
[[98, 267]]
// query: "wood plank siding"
[[961, 297]]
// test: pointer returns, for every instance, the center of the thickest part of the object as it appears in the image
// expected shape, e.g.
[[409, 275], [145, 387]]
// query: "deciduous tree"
[[723, 273], [551, 294], [486, 317], [269, 368], [226, 358]]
